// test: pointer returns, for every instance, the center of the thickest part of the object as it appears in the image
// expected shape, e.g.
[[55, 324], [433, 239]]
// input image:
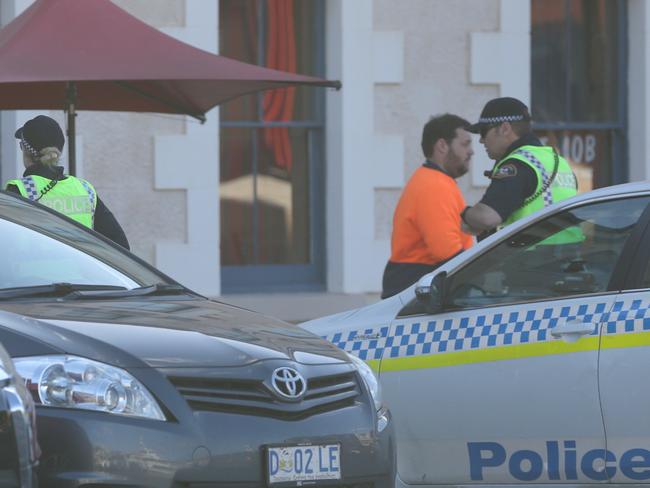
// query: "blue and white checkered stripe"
[[30, 187], [500, 118], [628, 316], [546, 195], [485, 331], [91, 194], [466, 333], [365, 343]]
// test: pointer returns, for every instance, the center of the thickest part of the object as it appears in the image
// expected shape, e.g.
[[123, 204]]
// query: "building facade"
[[294, 190]]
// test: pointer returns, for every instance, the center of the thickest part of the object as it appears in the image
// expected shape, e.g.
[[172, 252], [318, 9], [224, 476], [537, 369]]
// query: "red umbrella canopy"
[[118, 63]]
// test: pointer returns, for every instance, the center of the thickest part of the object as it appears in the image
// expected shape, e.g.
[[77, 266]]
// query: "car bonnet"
[[165, 333]]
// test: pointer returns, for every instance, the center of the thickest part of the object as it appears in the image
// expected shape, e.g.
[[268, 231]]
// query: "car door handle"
[[571, 331]]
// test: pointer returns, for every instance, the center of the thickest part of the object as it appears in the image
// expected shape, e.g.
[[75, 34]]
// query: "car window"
[[571, 253], [31, 259], [645, 282], [40, 247]]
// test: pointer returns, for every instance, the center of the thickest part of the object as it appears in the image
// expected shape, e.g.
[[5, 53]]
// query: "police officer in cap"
[[527, 176], [41, 141]]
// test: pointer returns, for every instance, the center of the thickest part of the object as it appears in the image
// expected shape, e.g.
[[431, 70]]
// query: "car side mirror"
[[5, 378], [432, 295]]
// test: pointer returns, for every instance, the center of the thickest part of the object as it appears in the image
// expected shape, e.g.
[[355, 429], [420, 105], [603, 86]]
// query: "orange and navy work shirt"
[[426, 224]]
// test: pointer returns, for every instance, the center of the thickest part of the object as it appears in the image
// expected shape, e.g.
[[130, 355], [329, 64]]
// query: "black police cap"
[[41, 132], [498, 110]]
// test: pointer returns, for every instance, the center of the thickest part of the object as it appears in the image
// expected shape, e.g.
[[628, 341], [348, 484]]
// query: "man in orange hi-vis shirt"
[[427, 225]]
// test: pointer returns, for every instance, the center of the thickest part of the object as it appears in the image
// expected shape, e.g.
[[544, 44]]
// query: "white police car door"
[[624, 369], [502, 386]]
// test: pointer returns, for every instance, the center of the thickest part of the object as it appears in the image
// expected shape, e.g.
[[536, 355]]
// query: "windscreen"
[[39, 248]]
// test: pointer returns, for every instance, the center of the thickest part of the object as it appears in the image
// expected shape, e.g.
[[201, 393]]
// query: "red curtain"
[[278, 105]]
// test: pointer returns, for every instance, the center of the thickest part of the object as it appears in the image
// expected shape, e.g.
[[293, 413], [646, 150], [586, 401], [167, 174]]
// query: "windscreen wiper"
[[54, 290], [156, 289]]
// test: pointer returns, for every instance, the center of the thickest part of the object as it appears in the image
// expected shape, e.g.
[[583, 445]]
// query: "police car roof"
[[640, 186]]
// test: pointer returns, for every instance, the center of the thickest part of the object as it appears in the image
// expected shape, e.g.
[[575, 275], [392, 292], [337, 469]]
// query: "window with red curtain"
[[267, 140]]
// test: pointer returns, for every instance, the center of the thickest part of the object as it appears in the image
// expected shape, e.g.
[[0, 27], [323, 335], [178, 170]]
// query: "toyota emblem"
[[288, 383]]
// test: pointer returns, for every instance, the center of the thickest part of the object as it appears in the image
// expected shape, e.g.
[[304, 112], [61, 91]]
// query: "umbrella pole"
[[70, 102]]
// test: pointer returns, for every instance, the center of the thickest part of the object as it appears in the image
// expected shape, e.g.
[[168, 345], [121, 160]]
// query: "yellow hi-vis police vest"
[[73, 197], [564, 185]]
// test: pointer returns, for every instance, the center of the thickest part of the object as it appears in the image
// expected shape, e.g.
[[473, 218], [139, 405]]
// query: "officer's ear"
[[505, 129]]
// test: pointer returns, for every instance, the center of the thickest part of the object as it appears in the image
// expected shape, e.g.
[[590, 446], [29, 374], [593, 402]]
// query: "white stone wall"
[[158, 13], [437, 56], [118, 158], [412, 60]]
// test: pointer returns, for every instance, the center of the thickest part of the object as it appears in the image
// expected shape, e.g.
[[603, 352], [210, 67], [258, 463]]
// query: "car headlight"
[[75, 382], [369, 379]]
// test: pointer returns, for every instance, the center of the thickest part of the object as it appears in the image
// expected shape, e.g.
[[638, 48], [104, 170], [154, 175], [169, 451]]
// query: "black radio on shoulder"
[[488, 173]]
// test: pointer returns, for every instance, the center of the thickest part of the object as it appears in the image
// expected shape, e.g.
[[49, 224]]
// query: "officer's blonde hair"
[[49, 156]]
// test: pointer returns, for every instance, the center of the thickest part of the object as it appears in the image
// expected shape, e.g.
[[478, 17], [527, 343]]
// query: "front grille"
[[253, 397]]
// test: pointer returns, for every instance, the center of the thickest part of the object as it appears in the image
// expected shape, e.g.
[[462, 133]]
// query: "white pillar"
[[358, 159], [349, 137]]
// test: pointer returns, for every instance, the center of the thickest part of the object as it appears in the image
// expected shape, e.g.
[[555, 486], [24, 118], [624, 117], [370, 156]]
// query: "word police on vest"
[[562, 460], [69, 205]]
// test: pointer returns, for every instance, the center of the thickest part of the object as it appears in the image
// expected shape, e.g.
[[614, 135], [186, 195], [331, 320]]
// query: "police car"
[[524, 360]]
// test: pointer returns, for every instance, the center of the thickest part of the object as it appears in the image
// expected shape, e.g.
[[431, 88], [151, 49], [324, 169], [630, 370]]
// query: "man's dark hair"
[[441, 127]]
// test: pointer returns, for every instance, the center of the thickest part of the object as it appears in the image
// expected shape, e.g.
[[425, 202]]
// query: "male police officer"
[[41, 141], [526, 177]]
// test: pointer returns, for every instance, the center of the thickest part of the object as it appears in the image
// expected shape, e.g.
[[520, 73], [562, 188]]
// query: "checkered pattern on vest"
[[30, 187], [546, 195], [91, 193]]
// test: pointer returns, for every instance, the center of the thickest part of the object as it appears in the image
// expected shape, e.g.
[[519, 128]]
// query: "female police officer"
[[41, 141]]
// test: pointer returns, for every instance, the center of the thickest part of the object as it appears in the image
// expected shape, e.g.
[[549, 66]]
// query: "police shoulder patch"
[[505, 171]]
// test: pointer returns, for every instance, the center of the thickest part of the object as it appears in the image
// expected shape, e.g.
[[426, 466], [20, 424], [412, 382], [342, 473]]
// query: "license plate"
[[304, 463]]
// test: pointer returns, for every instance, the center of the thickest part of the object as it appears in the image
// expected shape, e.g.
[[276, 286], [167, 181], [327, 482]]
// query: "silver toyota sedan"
[[139, 381]]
